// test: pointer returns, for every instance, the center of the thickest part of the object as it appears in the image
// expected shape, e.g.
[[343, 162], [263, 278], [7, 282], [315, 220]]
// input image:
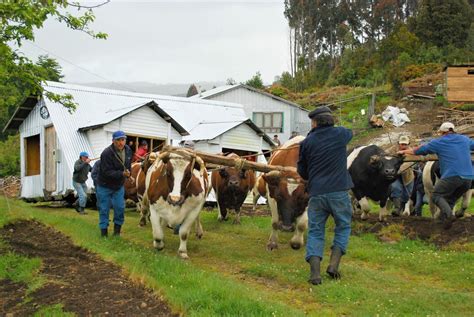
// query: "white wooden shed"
[[52, 138], [272, 114]]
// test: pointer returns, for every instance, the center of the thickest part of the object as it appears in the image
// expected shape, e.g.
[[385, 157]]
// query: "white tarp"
[[395, 115]]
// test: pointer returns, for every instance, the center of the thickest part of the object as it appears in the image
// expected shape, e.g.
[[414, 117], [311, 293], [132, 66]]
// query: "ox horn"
[[202, 165]]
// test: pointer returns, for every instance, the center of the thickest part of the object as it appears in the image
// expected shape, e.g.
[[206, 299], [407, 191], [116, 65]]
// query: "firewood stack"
[[462, 120], [10, 186]]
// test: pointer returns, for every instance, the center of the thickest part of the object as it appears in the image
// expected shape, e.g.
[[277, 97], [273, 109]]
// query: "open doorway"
[[142, 145], [241, 153]]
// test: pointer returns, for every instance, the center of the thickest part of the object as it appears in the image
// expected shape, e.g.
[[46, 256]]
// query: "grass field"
[[231, 273]]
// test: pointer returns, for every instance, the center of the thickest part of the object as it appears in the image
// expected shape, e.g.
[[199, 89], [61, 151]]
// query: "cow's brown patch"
[[131, 186], [79, 280], [161, 182]]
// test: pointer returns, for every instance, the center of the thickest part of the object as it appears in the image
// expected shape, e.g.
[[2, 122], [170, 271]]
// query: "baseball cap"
[[404, 140], [446, 126], [84, 154], [118, 135]]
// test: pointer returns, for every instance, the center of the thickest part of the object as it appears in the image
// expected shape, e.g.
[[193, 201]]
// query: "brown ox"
[[176, 189], [231, 187], [130, 186], [286, 196]]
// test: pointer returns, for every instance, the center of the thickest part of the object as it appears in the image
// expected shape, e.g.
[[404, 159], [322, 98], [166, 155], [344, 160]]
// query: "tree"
[[192, 90], [255, 81], [230, 81], [444, 22], [19, 19]]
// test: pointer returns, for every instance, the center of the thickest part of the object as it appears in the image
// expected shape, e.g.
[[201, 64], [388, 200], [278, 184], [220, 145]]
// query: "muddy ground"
[[79, 280]]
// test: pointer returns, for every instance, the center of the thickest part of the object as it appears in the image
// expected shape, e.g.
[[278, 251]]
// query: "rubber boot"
[[77, 207], [103, 232], [117, 230], [333, 268], [82, 211], [315, 268], [397, 203]]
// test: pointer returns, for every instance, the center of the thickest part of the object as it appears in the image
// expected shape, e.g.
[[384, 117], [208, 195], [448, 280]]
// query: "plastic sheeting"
[[396, 116]]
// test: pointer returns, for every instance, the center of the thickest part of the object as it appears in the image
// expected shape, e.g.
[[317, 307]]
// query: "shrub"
[[10, 156]]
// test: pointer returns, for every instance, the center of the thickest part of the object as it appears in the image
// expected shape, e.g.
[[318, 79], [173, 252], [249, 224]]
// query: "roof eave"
[[27, 104]]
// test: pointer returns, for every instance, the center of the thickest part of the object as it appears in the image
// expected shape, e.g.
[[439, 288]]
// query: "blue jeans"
[[107, 197], [81, 189], [398, 190], [337, 204]]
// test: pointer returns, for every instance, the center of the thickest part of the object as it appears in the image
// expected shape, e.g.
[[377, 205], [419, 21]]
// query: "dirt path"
[[79, 280]]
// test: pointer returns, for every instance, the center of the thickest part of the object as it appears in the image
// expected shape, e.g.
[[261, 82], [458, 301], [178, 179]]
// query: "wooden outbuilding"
[[459, 83]]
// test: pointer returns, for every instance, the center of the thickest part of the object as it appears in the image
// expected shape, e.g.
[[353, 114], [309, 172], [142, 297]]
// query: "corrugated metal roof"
[[211, 130], [222, 89]]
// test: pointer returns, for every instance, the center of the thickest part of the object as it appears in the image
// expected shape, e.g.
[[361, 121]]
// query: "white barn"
[[272, 114], [52, 138]]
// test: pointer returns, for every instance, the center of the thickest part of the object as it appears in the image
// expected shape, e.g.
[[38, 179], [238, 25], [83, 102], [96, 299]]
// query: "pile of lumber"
[[462, 120], [10, 186]]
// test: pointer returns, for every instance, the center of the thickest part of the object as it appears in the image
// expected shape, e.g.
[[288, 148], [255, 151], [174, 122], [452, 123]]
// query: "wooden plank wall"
[[50, 160], [460, 84]]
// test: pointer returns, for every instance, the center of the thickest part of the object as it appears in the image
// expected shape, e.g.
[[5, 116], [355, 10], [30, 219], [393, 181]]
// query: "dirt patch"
[[79, 280], [391, 231]]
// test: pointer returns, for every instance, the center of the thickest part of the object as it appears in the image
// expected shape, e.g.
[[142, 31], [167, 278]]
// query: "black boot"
[[103, 232], [314, 264], [397, 203], [82, 211], [117, 230], [333, 268]]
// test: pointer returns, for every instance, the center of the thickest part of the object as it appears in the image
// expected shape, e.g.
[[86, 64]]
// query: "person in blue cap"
[[79, 177], [115, 166], [323, 163]]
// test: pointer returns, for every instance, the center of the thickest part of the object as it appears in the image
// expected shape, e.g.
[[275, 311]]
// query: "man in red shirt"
[[141, 151]]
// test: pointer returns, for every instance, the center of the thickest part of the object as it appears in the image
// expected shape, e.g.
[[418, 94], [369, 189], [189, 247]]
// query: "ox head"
[[289, 194], [179, 177], [232, 177], [387, 166]]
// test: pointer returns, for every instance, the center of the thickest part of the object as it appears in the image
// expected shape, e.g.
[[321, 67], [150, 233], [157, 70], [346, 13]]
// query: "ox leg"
[[222, 212], [256, 197], [297, 241], [383, 213], [408, 208], [237, 217], [184, 231], [365, 208], [273, 240], [433, 208], [466, 201], [199, 231], [157, 228]]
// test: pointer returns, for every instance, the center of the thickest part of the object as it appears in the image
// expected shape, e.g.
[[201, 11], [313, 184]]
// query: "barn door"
[[50, 160]]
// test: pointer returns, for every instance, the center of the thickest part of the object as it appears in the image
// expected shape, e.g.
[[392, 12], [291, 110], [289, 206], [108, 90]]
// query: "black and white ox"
[[431, 174], [176, 189], [372, 172]]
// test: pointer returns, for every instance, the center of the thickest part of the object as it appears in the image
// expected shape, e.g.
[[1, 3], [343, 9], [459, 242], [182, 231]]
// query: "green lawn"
[[231, 273]]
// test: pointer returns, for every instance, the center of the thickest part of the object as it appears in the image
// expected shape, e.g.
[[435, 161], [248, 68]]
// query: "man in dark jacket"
[[79, 178], [323, 163], [115, 166]]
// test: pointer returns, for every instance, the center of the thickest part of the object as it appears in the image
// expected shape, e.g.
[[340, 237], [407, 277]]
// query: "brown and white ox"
[[231, 187], [130, 185], [176, 189], [286, 196]]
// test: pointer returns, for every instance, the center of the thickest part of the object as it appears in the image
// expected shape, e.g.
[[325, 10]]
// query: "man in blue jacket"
[[115, 166], [323, 163], [454, 154]]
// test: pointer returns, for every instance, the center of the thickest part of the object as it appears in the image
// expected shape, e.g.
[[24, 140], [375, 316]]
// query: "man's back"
[[323, 160]]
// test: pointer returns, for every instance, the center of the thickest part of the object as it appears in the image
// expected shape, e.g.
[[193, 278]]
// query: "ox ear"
[[223, 173], [374, 160]]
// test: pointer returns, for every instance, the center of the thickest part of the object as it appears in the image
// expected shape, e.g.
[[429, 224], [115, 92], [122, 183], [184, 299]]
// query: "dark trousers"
[[447, 191]]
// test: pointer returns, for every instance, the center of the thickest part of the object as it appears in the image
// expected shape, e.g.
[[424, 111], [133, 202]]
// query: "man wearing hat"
[[323, 163], [401, 189], [454, 154], [79, 177], [115, 166]]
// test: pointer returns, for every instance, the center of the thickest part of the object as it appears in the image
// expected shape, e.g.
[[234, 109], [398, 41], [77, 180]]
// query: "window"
[[32, 155], [470, 71], [270, 122]]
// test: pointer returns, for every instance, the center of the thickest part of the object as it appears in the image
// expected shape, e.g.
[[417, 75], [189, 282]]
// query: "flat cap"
[[320, 111]]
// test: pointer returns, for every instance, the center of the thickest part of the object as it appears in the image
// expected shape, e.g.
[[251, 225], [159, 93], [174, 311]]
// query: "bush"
[[10, 156]]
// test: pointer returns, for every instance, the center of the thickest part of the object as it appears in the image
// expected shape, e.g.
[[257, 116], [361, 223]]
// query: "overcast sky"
[[173, 42]]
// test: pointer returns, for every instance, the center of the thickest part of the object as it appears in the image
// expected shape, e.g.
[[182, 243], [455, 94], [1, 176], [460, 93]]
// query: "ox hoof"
[[406, 214], [272, 246], [364, 216], [382, 218], [183, 255], [295, 245], [158, 245], [459, 213], [199, 235], [236, 222]]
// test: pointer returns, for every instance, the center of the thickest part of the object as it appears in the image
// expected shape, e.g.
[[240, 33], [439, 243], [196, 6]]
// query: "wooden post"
[[371, 110]]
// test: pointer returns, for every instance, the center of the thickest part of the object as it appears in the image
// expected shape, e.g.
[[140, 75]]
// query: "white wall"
[[243, 138]]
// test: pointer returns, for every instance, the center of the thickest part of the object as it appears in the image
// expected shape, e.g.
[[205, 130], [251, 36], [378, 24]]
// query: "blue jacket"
[[95, 172], [323, 160], [454, 153], [112, 168]]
